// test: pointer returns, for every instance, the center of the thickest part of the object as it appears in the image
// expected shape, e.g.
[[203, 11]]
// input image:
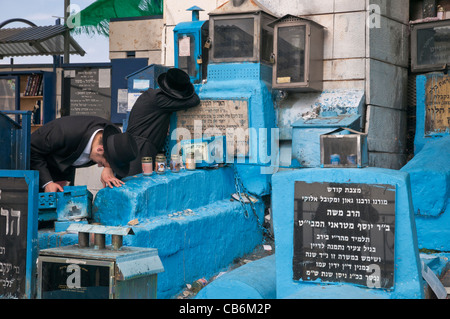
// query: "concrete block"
[[344, 85], [327, 21], [134, 35], [396, 10], [117, 55], [389, 42], [349, 35], [382, 92], [306, 7], [345, 69], [349, 5], [387, 160], [386, 129]]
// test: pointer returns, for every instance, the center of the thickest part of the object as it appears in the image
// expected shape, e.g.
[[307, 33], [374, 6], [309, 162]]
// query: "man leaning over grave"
[[149, 118], [70, 142]]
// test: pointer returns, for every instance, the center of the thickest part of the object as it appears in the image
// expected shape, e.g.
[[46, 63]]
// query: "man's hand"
[[108, 178], [53, 187]]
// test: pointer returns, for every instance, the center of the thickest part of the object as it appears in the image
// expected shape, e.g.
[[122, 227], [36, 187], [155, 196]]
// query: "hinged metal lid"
[[100, 229]]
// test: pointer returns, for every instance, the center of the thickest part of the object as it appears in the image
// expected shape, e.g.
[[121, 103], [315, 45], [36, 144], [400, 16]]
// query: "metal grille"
[[411, 116]]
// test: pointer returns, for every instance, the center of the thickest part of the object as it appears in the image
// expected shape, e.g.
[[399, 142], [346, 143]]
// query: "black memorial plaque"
[[344, 232], [87, 92], [13, 236]]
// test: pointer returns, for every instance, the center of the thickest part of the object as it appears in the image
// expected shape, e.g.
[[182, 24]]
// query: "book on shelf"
[[34, 85], [27, 88]]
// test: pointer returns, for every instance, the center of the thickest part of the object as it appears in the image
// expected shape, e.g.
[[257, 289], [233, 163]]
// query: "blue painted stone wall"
[[188, 217], [408, 282], [430, 170], [430, 188], [255, 280], [145, 197], [251, 82]]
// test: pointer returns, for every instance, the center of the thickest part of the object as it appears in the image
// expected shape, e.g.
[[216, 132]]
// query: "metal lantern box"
[[191, 53], [99, 271], [298, 54], [430, 49], [343, 147]]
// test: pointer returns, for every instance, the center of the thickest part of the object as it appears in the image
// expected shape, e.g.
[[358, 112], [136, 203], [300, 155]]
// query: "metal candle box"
[[75, 202], [348, 149], [98, 272]]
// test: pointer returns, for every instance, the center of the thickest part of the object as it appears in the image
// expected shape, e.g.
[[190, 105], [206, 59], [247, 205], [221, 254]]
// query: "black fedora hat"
[[176, 83], [120, 149]]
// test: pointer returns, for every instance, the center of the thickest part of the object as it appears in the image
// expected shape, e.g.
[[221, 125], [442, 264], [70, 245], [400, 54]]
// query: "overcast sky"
[[44, 12]]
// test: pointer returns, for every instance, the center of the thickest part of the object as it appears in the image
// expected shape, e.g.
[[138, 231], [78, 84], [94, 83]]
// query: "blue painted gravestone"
[[430, 167], [345, 233]]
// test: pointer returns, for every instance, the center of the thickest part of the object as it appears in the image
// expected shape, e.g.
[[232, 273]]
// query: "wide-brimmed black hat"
[[176, 83], [120, 149]]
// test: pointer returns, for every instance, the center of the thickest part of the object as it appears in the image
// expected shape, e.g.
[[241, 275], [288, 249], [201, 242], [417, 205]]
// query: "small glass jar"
[[160, 164], [175, 163], [190, 161], [335, 159], [147, 166]]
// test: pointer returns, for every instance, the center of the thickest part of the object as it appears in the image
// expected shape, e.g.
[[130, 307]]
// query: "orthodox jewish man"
[[69, 142], [149, 118]]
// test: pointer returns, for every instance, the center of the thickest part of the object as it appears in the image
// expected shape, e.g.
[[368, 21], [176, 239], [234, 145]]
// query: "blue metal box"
[[306, 135], [47, 206], [74, 202], [191, 53], [98, 272]]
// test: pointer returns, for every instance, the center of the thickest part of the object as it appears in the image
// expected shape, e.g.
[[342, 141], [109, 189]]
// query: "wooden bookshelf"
[[31, 98], [33, 90]]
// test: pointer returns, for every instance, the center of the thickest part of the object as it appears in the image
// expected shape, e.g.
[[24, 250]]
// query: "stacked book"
[[34, 85]]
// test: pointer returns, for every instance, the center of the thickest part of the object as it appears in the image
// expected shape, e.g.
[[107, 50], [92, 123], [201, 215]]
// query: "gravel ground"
[[260, 251]]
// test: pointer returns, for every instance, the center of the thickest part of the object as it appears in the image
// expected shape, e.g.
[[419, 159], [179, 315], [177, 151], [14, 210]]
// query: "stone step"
[[145, 197]]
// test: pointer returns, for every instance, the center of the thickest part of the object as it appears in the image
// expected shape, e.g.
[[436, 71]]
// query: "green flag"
[[95, 18]]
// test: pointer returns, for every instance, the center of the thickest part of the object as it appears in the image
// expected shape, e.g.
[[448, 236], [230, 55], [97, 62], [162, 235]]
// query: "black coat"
[[58, 144], [149, 122]]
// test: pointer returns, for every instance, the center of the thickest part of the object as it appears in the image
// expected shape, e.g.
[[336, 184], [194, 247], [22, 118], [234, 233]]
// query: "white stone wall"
[[356, 57], [141, 36], [374, 59], [174, 13]]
